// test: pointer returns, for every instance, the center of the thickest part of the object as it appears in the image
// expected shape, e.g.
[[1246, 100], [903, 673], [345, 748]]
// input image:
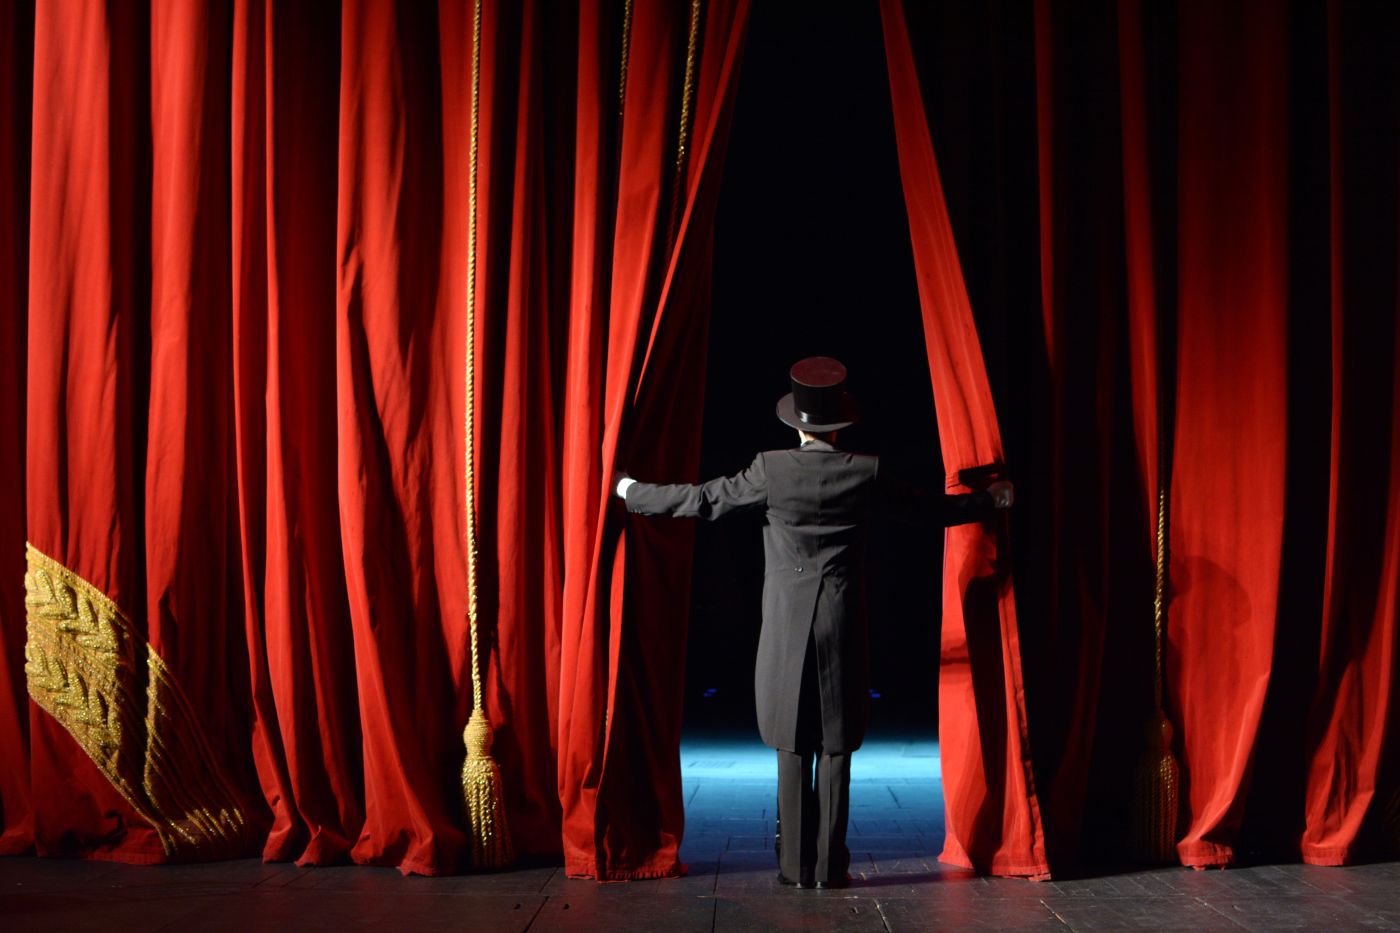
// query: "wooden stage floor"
[[896, 826]]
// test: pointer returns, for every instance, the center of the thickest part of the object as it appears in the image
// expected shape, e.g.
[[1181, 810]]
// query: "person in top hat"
[[811, 679]]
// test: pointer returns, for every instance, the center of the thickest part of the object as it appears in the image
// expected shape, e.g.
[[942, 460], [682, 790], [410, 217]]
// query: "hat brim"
[[787, 414]]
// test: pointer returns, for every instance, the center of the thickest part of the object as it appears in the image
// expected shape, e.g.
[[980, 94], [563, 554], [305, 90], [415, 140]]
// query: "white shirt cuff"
[[623, 485]]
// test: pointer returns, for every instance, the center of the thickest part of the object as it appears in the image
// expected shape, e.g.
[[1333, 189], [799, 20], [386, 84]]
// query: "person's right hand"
[[1002, 493], [621, 482]]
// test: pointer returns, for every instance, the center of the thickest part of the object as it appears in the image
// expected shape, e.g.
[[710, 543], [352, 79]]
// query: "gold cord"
[[1157, 778], [1160, 595], [626, 46], [469, 497], [481, 778], [687, 105]]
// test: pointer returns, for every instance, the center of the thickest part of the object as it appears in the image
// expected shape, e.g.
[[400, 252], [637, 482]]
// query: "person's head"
[[818, 405]]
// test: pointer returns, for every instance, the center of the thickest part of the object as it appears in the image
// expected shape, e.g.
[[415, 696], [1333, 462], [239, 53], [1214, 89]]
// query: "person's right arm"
[[706, 500]]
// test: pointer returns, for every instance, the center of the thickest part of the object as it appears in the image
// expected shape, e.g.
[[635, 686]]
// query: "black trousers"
[[814, 794]]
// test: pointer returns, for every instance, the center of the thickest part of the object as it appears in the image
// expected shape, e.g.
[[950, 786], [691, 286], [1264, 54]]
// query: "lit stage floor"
[[730, 783]]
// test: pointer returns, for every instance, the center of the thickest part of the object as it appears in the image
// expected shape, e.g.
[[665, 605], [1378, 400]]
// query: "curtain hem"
[[585, 870]]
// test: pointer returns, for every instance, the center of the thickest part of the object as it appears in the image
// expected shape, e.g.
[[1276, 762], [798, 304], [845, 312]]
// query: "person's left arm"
[[709, 500], [912, 503]]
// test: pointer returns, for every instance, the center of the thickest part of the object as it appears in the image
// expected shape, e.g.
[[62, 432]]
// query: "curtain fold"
[[16, 77], [523, 693], [294, 578], [619, 771], [1081, 480], [193, 591], [398, 363], [1228, 459], [992, 810], [248, 254], [1351, 710], [84, 457]]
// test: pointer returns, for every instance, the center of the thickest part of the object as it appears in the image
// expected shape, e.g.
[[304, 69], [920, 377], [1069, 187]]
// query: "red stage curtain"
[[16, 71], [306, 736], [247, 276], [192, 587], [84, 454], [1227, 480], [232, 300], [604, 287], [400, 338], [993, 814], [527, 226], [1351, 727], [1078, 479], [1189, 193], [635, 370]]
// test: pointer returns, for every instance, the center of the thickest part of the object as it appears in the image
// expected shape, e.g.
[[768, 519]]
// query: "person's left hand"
[[1002, 493]]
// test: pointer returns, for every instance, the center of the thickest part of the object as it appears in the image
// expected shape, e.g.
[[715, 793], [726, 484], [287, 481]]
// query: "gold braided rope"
[[1158, 776], [683, 134], [1159, 596], [481, 777], [626, 45]]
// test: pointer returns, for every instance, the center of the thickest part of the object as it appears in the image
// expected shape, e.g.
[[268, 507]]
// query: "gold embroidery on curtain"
[[85, 669]]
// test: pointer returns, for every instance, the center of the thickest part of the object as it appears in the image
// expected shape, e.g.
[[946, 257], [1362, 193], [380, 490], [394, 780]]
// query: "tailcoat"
[[818, 502]]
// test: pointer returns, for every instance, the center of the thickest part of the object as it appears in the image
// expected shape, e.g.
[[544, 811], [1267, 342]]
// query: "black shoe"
[[784, 879], [842, 882]]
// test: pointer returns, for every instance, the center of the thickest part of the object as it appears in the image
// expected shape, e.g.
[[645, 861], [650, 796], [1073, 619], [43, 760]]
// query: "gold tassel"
[[481, 786], [1155, 783], [481, 778], [1157, 778]]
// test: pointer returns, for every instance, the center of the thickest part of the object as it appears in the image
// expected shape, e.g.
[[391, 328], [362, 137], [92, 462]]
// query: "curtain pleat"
[[1227, 479], [1081, 347], [992, 810], [16, 76], [523, 694], [399, 360], [619, 772], [1354, 701], [248, 251], [285, 386], [193, 586], [89, 245]]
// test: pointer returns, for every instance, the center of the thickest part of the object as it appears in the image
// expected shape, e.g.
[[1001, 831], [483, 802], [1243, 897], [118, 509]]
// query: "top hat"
[[818, 401]]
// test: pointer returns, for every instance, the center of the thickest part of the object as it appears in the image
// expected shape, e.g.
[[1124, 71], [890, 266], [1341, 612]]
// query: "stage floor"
[[896, 824]]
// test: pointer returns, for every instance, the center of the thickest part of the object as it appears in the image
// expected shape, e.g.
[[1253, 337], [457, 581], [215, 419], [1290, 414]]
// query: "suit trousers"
[[813, 809]]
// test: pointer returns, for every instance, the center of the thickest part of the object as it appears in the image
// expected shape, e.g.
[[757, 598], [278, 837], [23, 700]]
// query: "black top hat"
[[818, 401]]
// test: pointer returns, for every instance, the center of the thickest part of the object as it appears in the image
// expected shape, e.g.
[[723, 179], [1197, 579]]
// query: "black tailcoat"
[[819, 501]]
